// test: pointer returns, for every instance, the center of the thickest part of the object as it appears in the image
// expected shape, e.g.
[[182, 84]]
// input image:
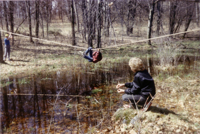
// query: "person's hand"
[[119, 85], [120, 90]]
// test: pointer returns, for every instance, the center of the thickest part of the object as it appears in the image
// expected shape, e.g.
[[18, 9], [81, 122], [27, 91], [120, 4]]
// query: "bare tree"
[[6, 14], [76, 13], [159, 16], [73, 22], [91, 22], [107, 19], [1, 14], [37, 18], [99, 22], [189, 15], [150, 19], [42, 22], [132, 5], [1, 49], [197, 12], [84, 18], [29, 20], [172, 12], [11, 18]]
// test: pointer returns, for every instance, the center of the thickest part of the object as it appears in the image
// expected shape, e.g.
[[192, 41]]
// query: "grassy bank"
[[175, 108]]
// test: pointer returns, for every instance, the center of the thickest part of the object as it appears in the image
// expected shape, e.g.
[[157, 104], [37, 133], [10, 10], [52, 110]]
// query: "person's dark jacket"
[[142, 84]]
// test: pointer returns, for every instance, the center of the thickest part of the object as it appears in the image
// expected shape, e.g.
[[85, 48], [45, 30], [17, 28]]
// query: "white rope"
[[145, 40], [139, 41], [44, 40]]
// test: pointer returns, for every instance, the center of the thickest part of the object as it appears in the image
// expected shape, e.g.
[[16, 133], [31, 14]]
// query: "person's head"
[[136, 64], [6, 35]]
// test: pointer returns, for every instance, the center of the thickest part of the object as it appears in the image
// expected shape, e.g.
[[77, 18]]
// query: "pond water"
[[64, 101]]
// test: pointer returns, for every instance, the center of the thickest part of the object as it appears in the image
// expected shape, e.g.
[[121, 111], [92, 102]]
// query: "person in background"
[[142, 89], [91, 56], [7, 46]]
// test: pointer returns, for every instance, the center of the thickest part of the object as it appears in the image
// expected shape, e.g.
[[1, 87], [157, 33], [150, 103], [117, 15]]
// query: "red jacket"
[[97, 56]]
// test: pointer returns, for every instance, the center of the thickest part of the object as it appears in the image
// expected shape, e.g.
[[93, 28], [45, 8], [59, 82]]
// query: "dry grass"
[[175, 109]]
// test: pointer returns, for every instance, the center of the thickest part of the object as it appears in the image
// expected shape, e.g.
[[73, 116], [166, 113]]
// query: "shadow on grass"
[[166, 112], [161, 110], [3, 62], [20, 60]]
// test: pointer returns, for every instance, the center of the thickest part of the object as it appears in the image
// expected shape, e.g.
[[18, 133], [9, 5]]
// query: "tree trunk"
[[150, 20], [47, 18], [99, 23], [1, 49], [172, 13], [62, 11], [197, 14], [91, 23], [84, 14], [73, 23], [37, 18], [11, 9], [42, 23], [77, 18], [29, 20], [190, 12], [107, 20], [6, 14], [131, 16], [158, 18]]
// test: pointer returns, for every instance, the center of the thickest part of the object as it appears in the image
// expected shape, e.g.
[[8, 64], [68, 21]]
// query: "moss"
[[126, 114]]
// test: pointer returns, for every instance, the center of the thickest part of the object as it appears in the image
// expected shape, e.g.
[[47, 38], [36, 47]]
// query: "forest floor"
[[177, 103]]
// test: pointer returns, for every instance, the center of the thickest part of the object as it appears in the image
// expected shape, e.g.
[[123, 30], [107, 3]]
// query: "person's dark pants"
[[88, 54], [139, 99], [7, 52]]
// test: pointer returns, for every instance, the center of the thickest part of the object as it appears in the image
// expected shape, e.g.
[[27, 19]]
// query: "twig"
[[54, 107], [78, 118]]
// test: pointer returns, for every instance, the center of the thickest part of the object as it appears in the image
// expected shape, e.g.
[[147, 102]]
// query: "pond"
[[65, 101]]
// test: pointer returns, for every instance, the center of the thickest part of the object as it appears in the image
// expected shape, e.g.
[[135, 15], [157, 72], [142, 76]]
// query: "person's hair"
[[136, 64]]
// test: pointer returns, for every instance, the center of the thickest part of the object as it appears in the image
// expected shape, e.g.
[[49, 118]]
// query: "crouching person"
[[141, 89]]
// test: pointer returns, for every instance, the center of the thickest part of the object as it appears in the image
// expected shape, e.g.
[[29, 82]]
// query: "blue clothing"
[[7, 49], [89, 56], [7, 42]]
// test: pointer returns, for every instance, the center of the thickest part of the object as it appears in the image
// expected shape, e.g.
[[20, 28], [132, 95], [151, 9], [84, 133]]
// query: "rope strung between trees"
[[139, 41], [44, 40], [145, 40]]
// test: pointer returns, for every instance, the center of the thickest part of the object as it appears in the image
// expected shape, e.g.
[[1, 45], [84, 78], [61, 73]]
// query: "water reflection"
[[32, 107]]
